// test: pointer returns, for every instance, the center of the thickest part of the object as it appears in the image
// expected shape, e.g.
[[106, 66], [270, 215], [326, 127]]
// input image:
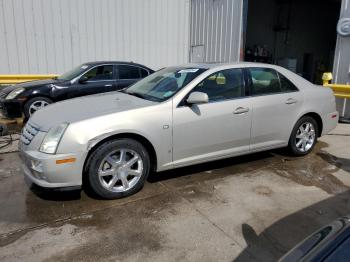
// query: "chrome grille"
[[28, 133]]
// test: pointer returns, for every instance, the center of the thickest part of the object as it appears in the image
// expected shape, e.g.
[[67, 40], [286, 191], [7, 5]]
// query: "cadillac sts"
[[177, 116]]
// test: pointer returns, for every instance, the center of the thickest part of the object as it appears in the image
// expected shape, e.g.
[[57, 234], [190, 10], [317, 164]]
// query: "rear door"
[[100, 79], [276, 105], [128, 75], [216, 129]]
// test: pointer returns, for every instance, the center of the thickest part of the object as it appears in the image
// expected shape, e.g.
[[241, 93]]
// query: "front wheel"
[[34, 105], [118, 168], [303, 137]]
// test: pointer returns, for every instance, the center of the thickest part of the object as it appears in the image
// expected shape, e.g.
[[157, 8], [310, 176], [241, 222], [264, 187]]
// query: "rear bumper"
[[330, 122], [11, 108]]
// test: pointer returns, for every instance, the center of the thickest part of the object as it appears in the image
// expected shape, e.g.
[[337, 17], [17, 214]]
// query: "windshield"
[[164, 83], [71, 74]]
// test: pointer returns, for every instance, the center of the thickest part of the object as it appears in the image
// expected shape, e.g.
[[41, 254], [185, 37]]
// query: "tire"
[[112, 174], [300, 143], [38, 102]]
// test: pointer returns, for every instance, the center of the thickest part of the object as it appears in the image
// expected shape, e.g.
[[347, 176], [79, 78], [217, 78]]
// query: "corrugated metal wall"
[[341, 68], [216, 26], [52, 36], [342, 52]]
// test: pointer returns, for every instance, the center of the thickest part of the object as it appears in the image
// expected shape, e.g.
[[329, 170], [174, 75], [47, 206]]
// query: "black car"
[[331, 243], [86, 79]]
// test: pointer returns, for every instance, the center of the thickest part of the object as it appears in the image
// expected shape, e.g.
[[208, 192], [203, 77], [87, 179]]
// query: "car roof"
[[93, 63], [234, 64]]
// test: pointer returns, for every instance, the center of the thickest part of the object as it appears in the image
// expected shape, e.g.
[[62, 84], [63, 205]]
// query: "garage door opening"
[[296, 34]]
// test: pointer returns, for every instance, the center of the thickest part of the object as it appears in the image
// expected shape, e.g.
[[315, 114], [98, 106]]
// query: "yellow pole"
[[326, 77]]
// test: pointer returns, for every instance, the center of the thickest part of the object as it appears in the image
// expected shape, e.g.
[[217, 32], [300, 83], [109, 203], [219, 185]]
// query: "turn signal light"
[[67, 160]]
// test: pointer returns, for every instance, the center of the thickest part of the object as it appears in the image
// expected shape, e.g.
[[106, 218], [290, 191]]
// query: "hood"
[[79, 109], [29, 85]]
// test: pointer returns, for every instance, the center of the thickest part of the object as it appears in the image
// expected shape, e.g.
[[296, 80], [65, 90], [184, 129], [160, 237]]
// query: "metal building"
[[341, 68], [52, 36], [216, 30], [342, 53]]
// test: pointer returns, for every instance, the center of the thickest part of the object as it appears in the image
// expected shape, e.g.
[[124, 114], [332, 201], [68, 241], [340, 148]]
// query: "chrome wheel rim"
[[120, 170], [305, 137], [36, 106]]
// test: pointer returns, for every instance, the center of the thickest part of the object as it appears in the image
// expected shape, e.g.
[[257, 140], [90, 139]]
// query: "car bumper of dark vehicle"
[[11, 108]]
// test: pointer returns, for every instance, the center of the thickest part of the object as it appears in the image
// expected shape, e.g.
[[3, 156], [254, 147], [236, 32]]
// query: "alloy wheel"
[[36, 106], [305, 137], [120, 170]]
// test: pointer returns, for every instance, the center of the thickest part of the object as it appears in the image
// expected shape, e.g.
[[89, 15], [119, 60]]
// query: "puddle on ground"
[[316, 169], [121, 230]]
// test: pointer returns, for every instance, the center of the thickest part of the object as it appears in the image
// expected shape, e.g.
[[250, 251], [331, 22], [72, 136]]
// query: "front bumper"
[[43, 170], [11, 108]]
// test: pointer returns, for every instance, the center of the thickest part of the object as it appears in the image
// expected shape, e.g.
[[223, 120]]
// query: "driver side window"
[[100, 73], [223, 85]]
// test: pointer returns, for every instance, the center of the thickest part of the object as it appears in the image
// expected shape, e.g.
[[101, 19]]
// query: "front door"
[[99, 79], [216, 129]]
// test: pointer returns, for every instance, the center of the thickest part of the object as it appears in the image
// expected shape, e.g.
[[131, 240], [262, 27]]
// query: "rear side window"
[[223, 85], [128, 72], [268, 81], [286, 84], [144, 72], [264, 81]]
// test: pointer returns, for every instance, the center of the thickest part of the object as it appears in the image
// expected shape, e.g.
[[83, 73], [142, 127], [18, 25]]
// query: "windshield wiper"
[[123, 90], [143, 96], [136, 94]]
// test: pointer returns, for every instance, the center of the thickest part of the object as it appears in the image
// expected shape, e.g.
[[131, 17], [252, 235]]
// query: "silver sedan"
[[176, 117]]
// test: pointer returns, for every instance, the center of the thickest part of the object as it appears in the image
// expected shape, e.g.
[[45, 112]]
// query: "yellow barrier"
[[341, 91], [15, 79]]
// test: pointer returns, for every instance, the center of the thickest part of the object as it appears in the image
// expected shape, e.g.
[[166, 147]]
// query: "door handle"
[[291, 101], [108, 85], [241, 110]]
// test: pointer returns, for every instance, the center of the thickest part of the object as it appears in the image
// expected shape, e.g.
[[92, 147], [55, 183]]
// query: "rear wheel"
[[304, 136], [118, 168], [34, 105]]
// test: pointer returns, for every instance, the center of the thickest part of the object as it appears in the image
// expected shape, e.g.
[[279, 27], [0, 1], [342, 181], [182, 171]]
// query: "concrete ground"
[[251, 208]]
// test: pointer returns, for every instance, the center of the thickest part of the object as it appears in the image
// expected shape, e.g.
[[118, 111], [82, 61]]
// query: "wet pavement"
[[250, 208]]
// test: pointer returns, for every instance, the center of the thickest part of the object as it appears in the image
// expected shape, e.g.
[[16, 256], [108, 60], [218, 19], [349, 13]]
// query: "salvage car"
[[86, 79], [176, 117]]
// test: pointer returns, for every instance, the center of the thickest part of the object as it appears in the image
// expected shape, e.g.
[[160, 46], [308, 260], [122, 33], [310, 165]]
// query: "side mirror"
[[83, 79], [197, 98]]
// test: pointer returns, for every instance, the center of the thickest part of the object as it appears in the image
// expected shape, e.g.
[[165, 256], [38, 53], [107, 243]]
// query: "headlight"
[[15, 93], [53, 138]]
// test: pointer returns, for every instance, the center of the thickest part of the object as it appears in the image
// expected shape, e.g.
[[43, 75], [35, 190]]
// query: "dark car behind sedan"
[[86, 79], [330, 244]]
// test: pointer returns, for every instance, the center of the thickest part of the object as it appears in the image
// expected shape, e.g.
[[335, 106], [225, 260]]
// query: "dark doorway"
[[296, 34]]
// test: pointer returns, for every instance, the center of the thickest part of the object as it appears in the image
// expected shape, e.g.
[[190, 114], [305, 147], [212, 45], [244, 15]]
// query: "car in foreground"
[[86, 79], [176, 117], [330, 243]]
